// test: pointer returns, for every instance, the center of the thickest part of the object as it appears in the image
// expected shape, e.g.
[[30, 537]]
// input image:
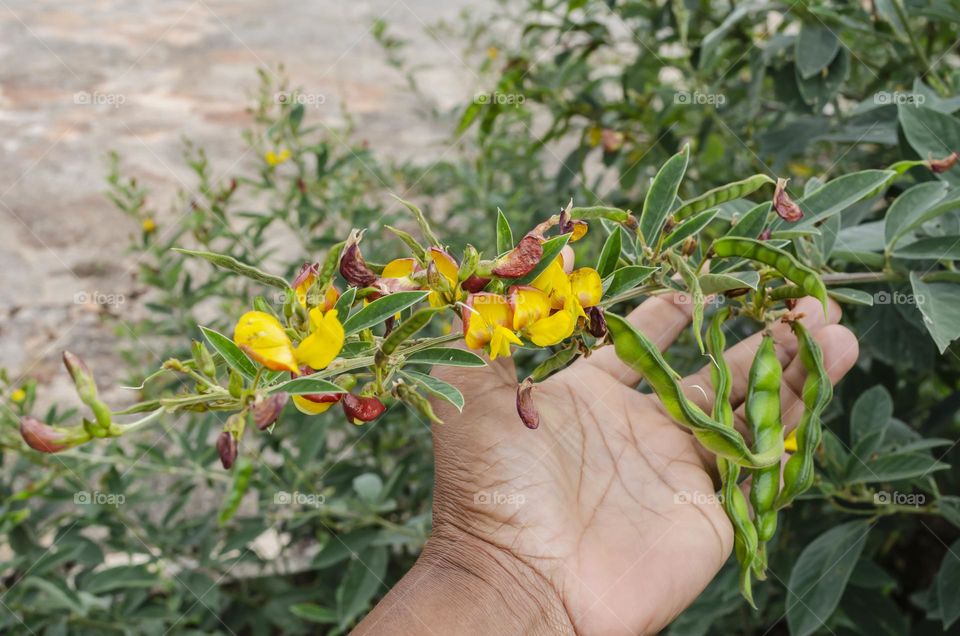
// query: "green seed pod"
[[722, 194], [235, 384], [404, 332], [241, 481], [798, 472]]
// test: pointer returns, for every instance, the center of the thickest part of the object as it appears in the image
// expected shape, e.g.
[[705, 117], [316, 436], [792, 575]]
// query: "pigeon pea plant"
[[346, 331]]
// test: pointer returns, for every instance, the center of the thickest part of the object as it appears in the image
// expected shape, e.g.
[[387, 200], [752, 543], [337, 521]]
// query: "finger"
[[660, 318], [698, 386]]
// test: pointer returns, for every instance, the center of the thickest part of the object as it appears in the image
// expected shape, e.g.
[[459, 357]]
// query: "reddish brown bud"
[[765, 235], [352, 266], [526, 409], [362, 409], [689, 246], [227, 449], [598, 323], [942, 165], [268, 410], [302, 186], [306, 271], [790, 303], [475, 284], [41, 437], [521, 260], [734, 293], [786, 208]]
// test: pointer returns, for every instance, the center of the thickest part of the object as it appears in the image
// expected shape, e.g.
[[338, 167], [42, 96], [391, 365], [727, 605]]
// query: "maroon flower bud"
[[598, 324], [942, 165], [475, 284], [786, 208], [306, 271], [352, 266], [268, 410], [526, 409], [361, 409], [765, 235], [227, 449], [521, 260], [790, 303], [41, 437]]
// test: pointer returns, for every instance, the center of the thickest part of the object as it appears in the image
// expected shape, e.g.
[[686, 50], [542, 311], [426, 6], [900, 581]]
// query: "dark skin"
[[576, 527]]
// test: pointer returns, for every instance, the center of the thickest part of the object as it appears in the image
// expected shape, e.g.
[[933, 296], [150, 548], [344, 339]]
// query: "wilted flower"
[[942, 165], [268, 410], [227, 448], [352, 266], [360, 410], [521, 260], [526, 408], [786, 208]]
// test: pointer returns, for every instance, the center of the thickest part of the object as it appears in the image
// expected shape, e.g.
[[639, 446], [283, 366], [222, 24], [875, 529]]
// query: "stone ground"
[[78, 79]]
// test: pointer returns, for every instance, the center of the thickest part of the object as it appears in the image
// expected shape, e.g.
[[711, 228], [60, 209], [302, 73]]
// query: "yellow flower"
[[486, 323], [324, 342], [149, 225], [448, 268], [18, 396], [399, 268], [493, 52], [274, 159], [330, 296], [554, 282], [586, 286], [319, 404], [263, 338], [532, 317], [790, 442]]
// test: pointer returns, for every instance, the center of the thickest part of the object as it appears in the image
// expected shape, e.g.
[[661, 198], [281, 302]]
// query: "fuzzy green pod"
[[817, 393], [640, 354], [784, 262], [722, 194]]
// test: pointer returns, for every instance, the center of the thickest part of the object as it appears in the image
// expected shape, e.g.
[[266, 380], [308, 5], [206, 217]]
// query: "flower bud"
[[362, 409], [352, 266], [475, 284], [203, 359], [942, 165], [765, 235], [227, 449], [785, 207], [526, 409], [268, 410], [521, 260], [471, 257], [574, 227], [50, 439], [598, 323], [82, 377]]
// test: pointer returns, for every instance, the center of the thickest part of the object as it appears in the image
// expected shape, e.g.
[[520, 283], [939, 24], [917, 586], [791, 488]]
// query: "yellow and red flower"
[[487, 323], [449, 270], [262, 337], [533, 319], [305, 280]]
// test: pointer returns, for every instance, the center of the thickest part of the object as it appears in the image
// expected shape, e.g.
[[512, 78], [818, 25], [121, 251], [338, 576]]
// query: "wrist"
[[462, 584]]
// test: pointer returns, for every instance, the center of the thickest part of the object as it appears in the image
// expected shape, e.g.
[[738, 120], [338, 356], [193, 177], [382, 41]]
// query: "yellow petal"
[[790, 442], [398, 268], [500, 342], [446, 265], [303, 288], [325, 341], [263, 338], [309, 406], [529, 305], [483, 313], [586, 285], [579, 231], [554, 282]]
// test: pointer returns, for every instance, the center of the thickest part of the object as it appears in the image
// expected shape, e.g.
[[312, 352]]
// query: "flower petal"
[[321, 347], [529, 305], [586, 286], [263, 338]]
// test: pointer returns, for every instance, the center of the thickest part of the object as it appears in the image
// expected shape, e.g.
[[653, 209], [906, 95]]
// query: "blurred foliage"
[[574, 99]]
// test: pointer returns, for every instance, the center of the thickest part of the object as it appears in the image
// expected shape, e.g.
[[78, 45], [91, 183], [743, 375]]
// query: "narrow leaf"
[[381, 309]]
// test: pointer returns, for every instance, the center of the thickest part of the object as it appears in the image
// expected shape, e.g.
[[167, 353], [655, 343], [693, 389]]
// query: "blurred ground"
[[78, 79]]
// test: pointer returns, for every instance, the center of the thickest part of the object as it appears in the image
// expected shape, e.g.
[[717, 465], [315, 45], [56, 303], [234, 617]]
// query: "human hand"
[[604, 520]]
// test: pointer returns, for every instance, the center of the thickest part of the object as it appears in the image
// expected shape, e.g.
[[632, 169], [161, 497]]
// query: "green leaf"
[[381, 309], [307, 384], [948, 583], [368, 487], [446, 356], [931, 134], [696, 296], [231, 264], [837, 195], [313, 613], [751, 224], [361, 582], [345, 302], [504, 233], [436, 387], [58, 595], [850, 296], [868, 420], [118, 578], [661, 196], [906, 212], [820, 576], [551, 250], [626, 278], [690, 227], [717, 283], [610, 254], [425, 228], [815, 48], [893, 467], [341, 547], [936, 248], [939, 303], [230, 352]]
